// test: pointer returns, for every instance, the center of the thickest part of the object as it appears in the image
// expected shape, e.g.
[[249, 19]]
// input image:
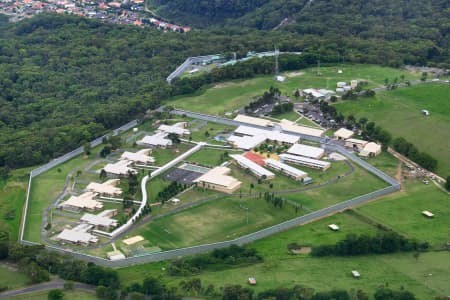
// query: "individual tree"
[[87, 148], [55, 295], [447, 183]]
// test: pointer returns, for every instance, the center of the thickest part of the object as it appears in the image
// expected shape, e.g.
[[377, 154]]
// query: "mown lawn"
[[218, 220], [229, 96], [399, 112]]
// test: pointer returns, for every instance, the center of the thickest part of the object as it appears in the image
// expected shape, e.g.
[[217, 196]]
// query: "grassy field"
[[46, 187], [282, 269], [210, 157], [218, 220], [12, 197], [163, 156], [402, 212], [226, 97], [399, 112], [206, 131], [68, 295], [11, 278], [385, 162], [358, 183]]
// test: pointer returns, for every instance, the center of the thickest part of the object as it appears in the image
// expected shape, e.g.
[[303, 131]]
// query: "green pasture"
[[229, 96], [399, 112], [11, 278], [282, 269], [403, 212]]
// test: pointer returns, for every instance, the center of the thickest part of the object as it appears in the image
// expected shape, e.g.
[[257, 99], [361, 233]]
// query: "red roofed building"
[[256, 158]]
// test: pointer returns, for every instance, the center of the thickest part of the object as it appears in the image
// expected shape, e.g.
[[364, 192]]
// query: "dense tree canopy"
[[65, 80]]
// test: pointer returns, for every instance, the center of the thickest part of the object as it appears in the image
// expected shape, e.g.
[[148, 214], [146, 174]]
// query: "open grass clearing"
[[164, 155], [12, 197], [282, 269], [229, 96], [11, 278], [358, 183], [399, 112], [210, 157], [218, 220], [402, 212], [385, 162], [46, 187]]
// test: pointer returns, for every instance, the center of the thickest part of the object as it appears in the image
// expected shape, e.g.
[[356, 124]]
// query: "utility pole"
[[277, 53], [246, 211], [318, 67]]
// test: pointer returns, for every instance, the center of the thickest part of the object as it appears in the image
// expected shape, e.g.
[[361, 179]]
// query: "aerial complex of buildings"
[[129, 12]]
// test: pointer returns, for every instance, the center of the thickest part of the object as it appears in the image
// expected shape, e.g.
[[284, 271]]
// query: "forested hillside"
[[414, 27], [65, 80]]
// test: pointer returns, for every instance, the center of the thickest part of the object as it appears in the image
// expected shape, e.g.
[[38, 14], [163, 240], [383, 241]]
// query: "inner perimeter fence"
[[177, 253], [62, 159]]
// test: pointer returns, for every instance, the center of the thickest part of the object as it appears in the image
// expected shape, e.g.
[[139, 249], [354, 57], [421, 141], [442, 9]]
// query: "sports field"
[[399, 112], [228, 96], [219, 220]]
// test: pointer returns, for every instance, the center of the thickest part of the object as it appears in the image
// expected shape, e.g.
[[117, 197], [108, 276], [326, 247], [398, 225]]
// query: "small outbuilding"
[[252, 280], [428, 214], [356, 274], [425, 112], [370, 150], [343, 134], [333, 227]]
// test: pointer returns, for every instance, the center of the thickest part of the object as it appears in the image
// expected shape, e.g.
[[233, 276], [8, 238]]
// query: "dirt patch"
[[302, 250], [294, 74]]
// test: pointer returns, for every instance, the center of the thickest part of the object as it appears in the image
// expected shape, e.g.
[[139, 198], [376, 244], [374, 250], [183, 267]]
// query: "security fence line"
[[62, 159], [176, 253]]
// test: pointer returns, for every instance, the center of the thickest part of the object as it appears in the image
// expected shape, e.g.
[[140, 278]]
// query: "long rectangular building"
[[293, 127], [253, 121], [285, 169], [307, 151], [305, 161], [256, 169]]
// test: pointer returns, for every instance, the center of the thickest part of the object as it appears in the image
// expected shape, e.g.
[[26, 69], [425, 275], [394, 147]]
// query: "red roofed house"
[[256, 158]]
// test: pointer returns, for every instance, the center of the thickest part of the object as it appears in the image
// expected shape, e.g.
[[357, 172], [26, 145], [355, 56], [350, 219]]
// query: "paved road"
[[55, 284]]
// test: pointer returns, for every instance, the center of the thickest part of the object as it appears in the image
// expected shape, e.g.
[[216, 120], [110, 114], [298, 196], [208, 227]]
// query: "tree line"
[[382, 243], [215, 260]]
